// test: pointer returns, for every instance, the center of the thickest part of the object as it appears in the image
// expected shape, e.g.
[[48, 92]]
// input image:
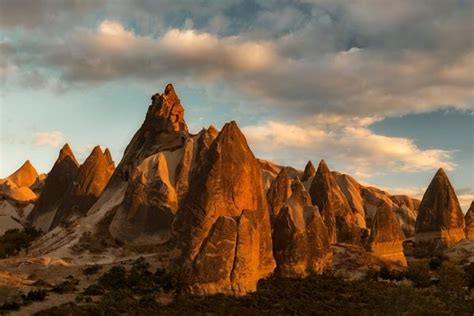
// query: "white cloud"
[[355, 146], [51, 139]]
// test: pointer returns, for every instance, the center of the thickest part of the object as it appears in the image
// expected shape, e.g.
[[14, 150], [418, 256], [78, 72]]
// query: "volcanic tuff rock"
[[278, 194], [92, 177], [25, 176], [164, 129], [223, 227], [352, 191], [386, 236], [300, 239], [470, 222], [59, 181], [440, 221], [309, 171], [333, 206]]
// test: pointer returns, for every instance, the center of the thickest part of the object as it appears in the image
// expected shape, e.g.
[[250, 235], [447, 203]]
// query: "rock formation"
[[59, 181], [278, 194], [386, 236], [352, 192], [92, 177], [440, 221], [469, 219], [333, 206], [309, 171], [300, 239], [222, 227], [25, 176]]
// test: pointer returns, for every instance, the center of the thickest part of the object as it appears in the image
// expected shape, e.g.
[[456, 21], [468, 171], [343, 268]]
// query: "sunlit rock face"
[[92, 177], [59, 181], [300, 240], [469, 219], [440, 221], [25, 176], [334, 208], [309, 171], [386, 237], [222, 227]]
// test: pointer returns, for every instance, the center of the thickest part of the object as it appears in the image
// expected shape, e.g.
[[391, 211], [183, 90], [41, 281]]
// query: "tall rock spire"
[[440, 221], [226, 204], [59, 181], [334, 208], [309, 171], [92, 177]]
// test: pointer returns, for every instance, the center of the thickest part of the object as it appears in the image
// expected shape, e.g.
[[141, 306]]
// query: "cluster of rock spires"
[[232, 218]]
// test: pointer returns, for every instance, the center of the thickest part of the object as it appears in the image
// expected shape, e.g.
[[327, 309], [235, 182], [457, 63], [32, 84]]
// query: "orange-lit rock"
[[440, 221], [300, 240], [386, 236], [226, 202]]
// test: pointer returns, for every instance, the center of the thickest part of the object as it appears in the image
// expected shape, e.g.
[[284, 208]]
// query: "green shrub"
[[115, 278]]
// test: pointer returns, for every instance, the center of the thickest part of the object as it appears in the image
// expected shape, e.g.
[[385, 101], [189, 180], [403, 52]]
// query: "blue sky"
[[381, 90]]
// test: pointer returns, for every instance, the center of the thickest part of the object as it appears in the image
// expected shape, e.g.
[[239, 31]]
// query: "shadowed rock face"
[[278, 194], [470, 222], [225, 206], [386, 237], [309, 171], [333, 206], [92, 177], [300, 240], [440, 221], [25, 176], [59, 181]]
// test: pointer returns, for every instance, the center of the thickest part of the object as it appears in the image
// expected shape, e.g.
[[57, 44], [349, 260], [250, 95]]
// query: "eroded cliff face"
[[386, 236], [440, 221], [278, 193], [300, 240], [222, 226]]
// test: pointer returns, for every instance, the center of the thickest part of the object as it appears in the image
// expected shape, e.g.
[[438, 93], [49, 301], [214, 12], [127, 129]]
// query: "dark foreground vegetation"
[[433, 287], [15, 240]]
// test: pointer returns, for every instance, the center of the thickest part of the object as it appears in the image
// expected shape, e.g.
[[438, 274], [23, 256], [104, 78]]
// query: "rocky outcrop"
[[278, 194], [59, 181], [25, 176], [309, 171], [92, 177], [469, 219], [300, 239], [440, 221], [386, 236], [352, 192], [333, 206], [222, 227], [164, 129]]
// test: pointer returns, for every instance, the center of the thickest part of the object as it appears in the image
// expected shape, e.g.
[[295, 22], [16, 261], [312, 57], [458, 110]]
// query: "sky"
[[382, 90]]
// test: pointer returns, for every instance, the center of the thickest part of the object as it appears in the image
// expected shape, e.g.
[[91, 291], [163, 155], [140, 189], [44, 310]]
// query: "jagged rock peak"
[[309, 171], [323, 167], [169, 106], [65, 152], [24, 176], [108, 155], [278, 193], [440, 221]]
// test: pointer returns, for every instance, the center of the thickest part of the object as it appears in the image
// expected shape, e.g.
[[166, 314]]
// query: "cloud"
[[355, 146], [51, 139]]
